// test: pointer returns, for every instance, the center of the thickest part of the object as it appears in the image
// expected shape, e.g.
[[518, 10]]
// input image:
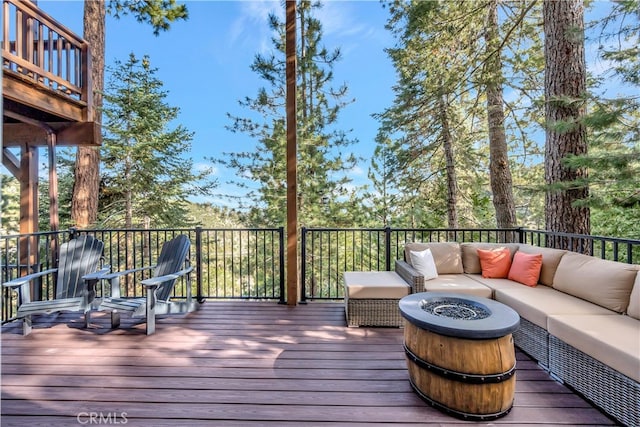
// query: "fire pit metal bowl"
[[460, 353]]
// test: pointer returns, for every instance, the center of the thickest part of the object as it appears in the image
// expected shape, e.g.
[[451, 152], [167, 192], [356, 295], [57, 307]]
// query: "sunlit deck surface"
[[238, 364]]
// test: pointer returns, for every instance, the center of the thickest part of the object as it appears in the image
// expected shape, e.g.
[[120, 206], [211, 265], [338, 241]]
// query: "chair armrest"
[[156, 281], [114, 279], [17, 282], [410, 275], [115, 274], [98, 275]]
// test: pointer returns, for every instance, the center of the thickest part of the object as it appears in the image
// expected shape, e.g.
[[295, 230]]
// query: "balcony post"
[[303, 264], [199, 296], [282, 262], [292, 141], [387, 248]]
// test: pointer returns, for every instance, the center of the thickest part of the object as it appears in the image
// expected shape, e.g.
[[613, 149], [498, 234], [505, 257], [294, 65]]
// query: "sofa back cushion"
[[445, 254], [634, 302], [550, 260], [470, 259], [602, 282]]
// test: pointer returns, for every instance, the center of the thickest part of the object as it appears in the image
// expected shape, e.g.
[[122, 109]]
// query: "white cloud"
[[356, 170], [251, 29], [202, 167]]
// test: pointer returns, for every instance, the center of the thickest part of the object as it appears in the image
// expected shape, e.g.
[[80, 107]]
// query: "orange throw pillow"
[[495, 263], [526, 268]]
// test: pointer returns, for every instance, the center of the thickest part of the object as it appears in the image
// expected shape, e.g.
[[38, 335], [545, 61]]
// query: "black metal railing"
[[228, 263], [249, 263], [328, 253]]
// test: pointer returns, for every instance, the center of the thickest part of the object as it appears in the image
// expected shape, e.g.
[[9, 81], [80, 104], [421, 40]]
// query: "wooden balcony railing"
[[40, 52]]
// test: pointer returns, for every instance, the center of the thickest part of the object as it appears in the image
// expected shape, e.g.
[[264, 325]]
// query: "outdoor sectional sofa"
[[581, 321]]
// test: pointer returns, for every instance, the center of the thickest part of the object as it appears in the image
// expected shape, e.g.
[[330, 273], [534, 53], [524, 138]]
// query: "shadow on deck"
[[238, 364]]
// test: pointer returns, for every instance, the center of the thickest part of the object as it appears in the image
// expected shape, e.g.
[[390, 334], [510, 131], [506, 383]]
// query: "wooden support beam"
[[28, 190], [54, 220], [11, 162], [28, 178], [68, 134], [292, 140]]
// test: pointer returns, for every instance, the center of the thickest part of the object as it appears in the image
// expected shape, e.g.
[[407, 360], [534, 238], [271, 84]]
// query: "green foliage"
[[442, 72], [146, 176], [158, 13], [383, 201], [207, 215], [323, 194], [9, 205]]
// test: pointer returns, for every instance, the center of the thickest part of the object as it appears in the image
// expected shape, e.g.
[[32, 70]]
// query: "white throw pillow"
[[424, 263]]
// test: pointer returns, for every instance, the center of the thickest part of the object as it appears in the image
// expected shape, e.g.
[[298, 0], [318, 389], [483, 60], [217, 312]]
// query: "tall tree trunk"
[[452, 180], [565, 86], [500, 173], [84, 202]]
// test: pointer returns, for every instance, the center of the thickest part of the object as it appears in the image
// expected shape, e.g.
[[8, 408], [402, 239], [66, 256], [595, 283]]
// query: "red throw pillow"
[[526, 268], [495, 263]]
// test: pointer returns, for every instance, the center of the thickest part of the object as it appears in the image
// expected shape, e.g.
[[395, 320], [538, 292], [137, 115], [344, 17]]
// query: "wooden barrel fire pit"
[[460, 353]]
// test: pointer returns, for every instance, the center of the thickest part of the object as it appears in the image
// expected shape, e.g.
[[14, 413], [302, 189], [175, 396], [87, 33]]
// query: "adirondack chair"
[[78, 271], [173, 263]]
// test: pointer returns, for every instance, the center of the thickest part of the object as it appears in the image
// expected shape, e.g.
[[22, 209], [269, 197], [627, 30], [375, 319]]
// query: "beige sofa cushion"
[[470, 259], [458, 284], [494, 284], [445, 254], [374, 285], [634, 301], [550, 260], [537, 304], [603, 282], [612, 339]]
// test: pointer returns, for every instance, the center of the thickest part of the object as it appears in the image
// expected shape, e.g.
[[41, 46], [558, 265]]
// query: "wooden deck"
[[239, 364]]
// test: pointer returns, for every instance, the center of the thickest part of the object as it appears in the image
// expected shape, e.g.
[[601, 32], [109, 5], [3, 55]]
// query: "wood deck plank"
[[238, 364]]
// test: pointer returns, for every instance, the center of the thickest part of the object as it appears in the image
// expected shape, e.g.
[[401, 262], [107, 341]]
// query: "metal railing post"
[[199, 296], [303, 264], [387, 248], [282, 270]]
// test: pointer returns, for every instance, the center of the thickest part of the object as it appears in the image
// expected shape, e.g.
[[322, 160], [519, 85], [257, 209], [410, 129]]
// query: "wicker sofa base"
[[373, 312], [615, 393], [533, 340]]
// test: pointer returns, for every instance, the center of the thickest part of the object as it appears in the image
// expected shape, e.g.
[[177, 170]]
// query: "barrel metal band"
[[459, 376], [456, 413]]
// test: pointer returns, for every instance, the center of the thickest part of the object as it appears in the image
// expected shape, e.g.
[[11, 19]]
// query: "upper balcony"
[[46, 79]]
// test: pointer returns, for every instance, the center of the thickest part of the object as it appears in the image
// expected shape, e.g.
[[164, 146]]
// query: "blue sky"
[[205, 65]]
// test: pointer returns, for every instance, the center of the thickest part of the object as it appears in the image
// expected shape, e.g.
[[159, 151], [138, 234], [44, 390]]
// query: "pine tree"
[[612, 122], [384, 200], [159, 14], [499, 169], [451, 58], [425, 114], [147, 176], [323, 197], [565, 98]]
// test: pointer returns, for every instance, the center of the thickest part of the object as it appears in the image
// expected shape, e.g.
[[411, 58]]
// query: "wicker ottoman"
[[371, 298]]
